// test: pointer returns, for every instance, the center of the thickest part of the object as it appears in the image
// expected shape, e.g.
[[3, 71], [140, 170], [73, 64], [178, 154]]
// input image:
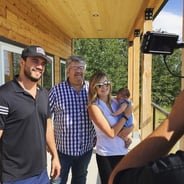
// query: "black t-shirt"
[[23, 121], [168, 169]]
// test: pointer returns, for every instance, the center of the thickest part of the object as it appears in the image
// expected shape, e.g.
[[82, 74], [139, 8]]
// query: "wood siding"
[[26, 26]]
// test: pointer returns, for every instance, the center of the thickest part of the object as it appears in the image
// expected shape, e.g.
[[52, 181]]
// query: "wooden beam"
[[130, 67], [181, 145], [146, 109], [135, 75]]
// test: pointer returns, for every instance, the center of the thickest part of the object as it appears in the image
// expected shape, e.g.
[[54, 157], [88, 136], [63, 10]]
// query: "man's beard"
[[28, 75]]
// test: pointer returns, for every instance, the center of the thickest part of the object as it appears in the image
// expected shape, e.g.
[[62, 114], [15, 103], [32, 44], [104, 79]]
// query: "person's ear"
[[22, 62]]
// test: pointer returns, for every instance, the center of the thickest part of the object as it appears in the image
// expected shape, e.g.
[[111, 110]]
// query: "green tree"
[[165, 86], [107, 55], [110, 56]]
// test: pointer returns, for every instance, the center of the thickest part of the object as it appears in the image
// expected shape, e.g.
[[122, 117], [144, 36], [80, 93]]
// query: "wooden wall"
[[23, 24]]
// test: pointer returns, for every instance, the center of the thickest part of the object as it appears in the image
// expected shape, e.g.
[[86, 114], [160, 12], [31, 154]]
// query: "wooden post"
[[130, 67], [146, 109], [182, 68], [181, 144], [135, 76], [131, 78]]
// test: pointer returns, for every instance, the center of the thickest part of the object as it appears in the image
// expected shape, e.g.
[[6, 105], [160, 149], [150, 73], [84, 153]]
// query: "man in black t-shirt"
[[25, 124]]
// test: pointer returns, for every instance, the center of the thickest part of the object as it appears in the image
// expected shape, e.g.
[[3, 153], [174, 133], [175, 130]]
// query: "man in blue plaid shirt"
[[74, 131]]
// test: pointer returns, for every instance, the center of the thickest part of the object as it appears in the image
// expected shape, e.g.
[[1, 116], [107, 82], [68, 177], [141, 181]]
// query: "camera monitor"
[[159, 43]]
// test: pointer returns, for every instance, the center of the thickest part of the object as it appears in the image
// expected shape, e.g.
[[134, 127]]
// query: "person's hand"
[[113, 114], [124, 134], [55, 168], [128, 142], [128, 111], [94, 141], [126, 131]]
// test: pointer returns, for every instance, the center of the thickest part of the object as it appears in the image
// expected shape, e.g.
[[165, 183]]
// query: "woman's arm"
[[98, 118]]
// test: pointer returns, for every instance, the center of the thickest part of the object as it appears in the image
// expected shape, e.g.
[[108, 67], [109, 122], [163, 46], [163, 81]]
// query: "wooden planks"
[[27, 26]]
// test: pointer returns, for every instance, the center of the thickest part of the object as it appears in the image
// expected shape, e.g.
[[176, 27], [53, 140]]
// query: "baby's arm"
[[125, 131], [121, 109], [124, 134]]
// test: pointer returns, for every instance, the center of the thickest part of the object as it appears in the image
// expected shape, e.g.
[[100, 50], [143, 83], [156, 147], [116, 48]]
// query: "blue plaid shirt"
[[74, 132]]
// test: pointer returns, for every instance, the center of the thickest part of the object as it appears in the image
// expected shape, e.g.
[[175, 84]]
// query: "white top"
[[105, 145]]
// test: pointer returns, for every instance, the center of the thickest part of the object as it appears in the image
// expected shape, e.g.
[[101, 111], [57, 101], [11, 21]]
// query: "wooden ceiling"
[[96, 18]]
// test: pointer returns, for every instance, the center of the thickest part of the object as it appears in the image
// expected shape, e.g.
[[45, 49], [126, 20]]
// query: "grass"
[[159, 118]]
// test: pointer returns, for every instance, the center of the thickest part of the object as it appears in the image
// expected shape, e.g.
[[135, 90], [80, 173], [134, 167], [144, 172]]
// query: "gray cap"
[[32, 51]]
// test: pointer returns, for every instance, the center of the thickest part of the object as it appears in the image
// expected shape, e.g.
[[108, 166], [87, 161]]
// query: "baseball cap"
[[32, 51]]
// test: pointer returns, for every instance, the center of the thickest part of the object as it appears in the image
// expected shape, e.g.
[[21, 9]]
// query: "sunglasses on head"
[[105, 83]]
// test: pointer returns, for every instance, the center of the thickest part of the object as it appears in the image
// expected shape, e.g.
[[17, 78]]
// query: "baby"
[[123, 95]]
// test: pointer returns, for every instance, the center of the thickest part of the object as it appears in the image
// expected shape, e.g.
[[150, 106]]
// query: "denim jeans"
[[78, 165], [39, 179]]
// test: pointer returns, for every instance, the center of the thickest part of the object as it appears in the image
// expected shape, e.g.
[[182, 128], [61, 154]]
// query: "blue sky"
[[174, 6], [170, 18]]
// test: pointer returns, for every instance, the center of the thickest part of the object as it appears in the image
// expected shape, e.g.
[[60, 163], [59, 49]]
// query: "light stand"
[[161, 43]]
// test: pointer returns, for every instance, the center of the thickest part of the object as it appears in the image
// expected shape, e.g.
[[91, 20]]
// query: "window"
[[48, 76], [9, 60], [11, 65], [62, 70]]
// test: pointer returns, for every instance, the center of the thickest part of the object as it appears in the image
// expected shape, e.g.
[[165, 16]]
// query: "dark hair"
[[124, 92], [24, 58]]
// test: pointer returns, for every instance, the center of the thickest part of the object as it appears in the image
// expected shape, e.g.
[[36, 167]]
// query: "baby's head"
[[123, 93]]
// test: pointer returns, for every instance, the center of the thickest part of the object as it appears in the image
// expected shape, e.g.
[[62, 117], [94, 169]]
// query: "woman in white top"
[[110, 146]]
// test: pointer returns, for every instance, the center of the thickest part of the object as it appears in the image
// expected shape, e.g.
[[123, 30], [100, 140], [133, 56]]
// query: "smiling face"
[[33, 68], [99, 87], [75, 73], [103, 87]]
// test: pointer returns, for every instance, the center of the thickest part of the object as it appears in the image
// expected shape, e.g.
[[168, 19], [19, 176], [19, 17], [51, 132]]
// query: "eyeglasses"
[[77, 68], [105, 83]]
